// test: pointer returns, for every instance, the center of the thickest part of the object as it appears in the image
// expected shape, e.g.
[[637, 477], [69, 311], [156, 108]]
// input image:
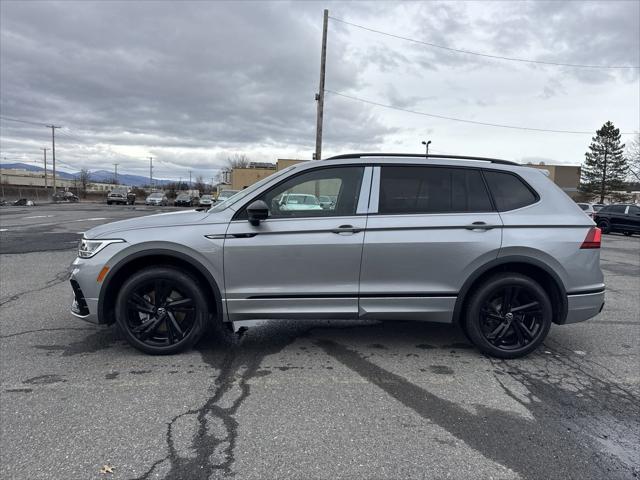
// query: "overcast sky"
[[192, 82]]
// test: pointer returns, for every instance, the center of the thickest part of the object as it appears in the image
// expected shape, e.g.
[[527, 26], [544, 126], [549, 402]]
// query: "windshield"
[[583, 206], [205, 197], [183, 197], [120, 190], [248, 191], [155, 195]]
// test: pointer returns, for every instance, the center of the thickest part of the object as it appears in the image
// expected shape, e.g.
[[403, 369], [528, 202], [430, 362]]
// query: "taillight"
[[593, 238]]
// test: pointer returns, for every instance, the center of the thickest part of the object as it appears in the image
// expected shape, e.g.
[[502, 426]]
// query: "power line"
[[474, 122], [486, 55], [23, 121]]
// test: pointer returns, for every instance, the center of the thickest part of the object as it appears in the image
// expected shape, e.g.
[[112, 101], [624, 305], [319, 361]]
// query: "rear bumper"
[[582, 307]]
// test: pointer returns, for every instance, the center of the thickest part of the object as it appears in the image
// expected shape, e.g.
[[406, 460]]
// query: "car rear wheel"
[[605, 226], [161, 310], [628, 234], [508, 316]]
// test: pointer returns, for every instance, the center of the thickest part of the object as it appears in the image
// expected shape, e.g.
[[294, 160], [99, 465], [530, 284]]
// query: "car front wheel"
[[161, 310], [508, 316]]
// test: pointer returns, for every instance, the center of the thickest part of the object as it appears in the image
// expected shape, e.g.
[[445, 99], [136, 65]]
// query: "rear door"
[[429, 227], [618, 217], [300, 263]]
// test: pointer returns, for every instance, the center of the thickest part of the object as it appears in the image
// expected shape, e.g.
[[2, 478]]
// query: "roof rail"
[[421, 155]]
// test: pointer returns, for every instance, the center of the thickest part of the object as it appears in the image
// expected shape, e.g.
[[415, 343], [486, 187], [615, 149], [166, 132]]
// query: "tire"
[[169, 302], [605, 226], [628, 234], [108, 202], [518, 331]]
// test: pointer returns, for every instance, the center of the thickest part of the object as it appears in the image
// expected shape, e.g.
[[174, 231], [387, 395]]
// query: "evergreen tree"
[[605, 168]]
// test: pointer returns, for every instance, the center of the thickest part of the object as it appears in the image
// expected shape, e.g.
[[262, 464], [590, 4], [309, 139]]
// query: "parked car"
[[226, 194], [23, 202], [68, 197], [206, 200], [186, 200], [326, 201], [299, 201], [624, 218], [598, 206], [157, 198], [490, 245], [588, 209], [122, 195]]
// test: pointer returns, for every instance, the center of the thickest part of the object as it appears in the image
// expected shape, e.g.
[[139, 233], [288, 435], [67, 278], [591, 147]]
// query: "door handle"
[[342, 229], [479, 226]]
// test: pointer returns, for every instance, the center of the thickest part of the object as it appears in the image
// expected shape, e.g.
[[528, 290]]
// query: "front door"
[[304, 260], [428, 229]]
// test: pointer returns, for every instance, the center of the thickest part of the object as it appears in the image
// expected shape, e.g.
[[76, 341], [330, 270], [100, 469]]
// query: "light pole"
[[426, 144]]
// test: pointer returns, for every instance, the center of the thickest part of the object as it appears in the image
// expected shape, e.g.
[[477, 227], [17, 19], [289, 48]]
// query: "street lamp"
[[426, 144]]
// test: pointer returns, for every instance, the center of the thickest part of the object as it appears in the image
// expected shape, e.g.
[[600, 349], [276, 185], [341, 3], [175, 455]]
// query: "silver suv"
[[489, 245]]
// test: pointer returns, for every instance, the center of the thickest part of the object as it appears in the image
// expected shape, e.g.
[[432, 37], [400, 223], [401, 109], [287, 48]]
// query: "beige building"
[[240, 178], [25, 178], [566, 177]]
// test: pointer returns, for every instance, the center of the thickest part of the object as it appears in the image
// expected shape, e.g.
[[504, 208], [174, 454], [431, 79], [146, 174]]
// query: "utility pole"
[[151, 173], [189, 179], [320, 94], [46, 183], [116, 173], [53, 152]]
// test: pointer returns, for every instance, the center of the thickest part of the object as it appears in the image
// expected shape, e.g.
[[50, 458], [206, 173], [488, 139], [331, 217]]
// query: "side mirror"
[[257, 211]]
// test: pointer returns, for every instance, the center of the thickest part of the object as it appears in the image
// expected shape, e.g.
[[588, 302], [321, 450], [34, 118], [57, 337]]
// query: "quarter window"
[[323, 192], [509, 191], [412, 190]]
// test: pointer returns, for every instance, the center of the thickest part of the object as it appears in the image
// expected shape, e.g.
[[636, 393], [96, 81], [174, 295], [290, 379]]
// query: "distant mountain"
[[96, 176]]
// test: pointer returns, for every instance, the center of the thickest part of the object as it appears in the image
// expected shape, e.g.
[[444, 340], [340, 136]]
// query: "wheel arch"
[[154, 257], [539, 271]]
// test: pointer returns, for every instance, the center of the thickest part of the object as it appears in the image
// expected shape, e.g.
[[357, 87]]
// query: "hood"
[[170, 219]]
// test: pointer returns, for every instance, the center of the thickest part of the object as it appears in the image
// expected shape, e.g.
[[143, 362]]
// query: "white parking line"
[[90, 219], [3, 229], [40, 216]]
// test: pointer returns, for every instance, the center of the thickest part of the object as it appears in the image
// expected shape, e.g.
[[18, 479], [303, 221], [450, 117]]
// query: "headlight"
[[88, 248]]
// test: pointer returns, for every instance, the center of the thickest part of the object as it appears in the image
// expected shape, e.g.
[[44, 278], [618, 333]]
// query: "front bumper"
[[85, 285], [582, 307]]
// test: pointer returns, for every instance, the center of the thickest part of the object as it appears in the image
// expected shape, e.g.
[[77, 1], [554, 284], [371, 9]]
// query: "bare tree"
[[633, 158], [237, 160], [199, 184], [85, 179]]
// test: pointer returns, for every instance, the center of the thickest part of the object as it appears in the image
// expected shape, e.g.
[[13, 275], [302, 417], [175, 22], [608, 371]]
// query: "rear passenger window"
[[509, 191], [432, 190]]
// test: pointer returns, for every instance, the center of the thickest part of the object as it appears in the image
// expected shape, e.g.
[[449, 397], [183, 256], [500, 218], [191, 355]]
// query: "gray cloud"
[[189, 82], [184, 75]]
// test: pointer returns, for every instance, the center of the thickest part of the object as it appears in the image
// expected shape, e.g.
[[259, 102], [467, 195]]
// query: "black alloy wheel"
[[161, 310], [604, 225], [509, 316]]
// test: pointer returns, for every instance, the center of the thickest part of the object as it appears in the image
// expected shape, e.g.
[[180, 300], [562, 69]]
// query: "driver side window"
[[323, 192]]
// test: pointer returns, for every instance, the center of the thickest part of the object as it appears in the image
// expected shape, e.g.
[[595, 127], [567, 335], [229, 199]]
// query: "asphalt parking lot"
[[303, 399]]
